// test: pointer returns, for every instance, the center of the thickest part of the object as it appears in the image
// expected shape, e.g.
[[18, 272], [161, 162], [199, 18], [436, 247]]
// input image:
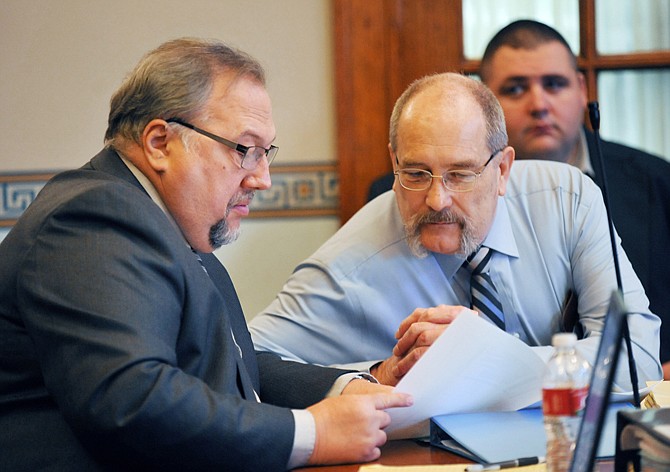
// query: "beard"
[[220, 233], [468, 241]]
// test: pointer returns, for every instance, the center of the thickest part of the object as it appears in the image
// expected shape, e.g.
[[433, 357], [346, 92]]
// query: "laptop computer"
[[492, 437], [602, 378]]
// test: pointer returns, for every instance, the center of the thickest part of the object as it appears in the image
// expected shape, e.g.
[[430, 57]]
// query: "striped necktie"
[[484, 294]]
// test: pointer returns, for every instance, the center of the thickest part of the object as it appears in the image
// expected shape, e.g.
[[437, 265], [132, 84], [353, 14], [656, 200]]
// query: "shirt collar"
[[582, 158], [149, 188], [500, 238]]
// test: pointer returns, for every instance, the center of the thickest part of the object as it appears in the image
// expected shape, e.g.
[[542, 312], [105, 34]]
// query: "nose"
[[438, 196], [537, 101], [259, 178]]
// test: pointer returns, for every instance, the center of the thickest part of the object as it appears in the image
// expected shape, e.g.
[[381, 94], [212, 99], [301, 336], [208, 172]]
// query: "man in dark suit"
[[532, 71], [122, 341]]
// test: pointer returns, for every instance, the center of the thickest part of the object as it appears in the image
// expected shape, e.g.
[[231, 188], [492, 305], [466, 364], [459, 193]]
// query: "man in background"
[[122, 341], [532, 71], [463, 232]]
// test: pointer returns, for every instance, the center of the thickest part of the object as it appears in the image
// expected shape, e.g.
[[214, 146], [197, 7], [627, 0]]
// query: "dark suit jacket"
[[115, 345], [639, 193]]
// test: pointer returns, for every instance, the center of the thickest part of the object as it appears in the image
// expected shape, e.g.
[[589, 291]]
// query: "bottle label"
[[563, 401]]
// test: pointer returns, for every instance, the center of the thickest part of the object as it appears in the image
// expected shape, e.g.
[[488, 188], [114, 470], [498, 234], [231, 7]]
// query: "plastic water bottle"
[[564, 389]]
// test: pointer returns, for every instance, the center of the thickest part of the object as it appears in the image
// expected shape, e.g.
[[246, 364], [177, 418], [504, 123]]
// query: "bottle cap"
[[564, 339]]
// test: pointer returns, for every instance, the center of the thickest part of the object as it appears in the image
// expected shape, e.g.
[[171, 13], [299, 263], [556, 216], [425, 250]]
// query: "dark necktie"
[[245, 380], [484, 294], [197, 256]]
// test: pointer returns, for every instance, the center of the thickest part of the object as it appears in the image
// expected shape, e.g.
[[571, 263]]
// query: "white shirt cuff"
[[304, 439], [343, 380]]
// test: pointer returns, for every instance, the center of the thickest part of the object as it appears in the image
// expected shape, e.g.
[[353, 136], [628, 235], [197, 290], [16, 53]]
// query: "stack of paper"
[[647, 433], [659, 396]]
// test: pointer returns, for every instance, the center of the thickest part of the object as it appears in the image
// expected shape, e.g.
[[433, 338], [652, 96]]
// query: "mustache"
[[244, 196], [443, 216]]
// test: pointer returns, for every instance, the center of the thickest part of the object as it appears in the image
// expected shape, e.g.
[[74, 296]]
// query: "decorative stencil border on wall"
[[311, 190]]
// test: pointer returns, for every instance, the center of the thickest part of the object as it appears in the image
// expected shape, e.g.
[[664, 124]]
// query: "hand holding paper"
[[473, 366], [415, 335]]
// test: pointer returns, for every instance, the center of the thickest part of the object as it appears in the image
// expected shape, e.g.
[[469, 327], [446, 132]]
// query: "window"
[[623, 48], [634, 104]]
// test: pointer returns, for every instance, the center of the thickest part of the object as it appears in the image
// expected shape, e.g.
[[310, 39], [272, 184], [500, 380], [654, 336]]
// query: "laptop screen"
[[602, 378]]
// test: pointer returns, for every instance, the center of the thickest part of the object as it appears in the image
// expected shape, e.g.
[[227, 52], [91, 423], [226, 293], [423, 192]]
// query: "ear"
[[394, 164], [392, 156], [155, 144], [505, 167], [581, 80]]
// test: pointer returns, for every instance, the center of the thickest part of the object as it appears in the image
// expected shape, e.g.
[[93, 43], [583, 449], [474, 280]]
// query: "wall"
[[61, 61]]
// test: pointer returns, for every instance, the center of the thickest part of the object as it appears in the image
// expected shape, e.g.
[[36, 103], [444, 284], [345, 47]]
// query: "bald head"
[[450, 94]]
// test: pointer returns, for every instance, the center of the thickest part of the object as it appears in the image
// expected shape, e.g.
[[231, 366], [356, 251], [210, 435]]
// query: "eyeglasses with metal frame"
[[251, 155], [418, 180]]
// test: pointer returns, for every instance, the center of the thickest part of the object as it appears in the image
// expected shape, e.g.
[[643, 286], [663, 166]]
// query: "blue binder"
[[506, 435], [502, 436]]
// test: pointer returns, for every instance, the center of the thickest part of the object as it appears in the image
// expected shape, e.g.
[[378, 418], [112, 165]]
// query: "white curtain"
[[483, 18], [624, 26], [634, 105]]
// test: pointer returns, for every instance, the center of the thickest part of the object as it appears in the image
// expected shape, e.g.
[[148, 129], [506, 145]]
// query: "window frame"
[[382, 45]]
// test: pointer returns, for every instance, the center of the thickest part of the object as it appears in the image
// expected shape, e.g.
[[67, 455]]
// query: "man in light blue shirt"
[[387, 284]]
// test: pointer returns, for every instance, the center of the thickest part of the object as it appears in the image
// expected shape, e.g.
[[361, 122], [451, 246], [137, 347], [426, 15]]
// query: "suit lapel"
[[110, 162], [247, 366], [631, 209]]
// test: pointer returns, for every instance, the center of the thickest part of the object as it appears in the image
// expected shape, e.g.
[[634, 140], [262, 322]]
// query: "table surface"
[[400, 452], [410, 452]]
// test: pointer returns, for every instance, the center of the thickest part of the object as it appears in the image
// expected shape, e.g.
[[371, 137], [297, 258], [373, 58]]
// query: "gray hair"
[[455, 85], [173, 80]]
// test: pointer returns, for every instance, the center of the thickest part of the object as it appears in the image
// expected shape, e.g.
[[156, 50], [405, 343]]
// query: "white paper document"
[[472, 366]]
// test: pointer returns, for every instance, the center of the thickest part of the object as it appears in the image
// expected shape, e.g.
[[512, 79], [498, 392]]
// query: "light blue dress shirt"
[[550, 236]]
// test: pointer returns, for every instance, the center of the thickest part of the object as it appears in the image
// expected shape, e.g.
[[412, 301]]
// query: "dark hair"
[[521, 34], [173, 80]]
